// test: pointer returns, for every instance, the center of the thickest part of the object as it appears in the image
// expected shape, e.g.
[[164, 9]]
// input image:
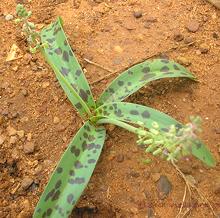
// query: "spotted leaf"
[[139, 75], [72, 173], [63, 61], [133, 113]]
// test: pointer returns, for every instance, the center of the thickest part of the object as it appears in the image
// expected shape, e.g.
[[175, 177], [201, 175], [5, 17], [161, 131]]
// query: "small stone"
[[14, 115], [137, 14], [151, 19], [24, 119], [15, 68], [150, 212], [13, 140], [26, 205], [24, 92], [186, 169], [1, 120], [188, 40], [134, 174], [24, 214], [38, 169], [28, 148], [198, 52], [15, 154], [215, 35], [26, 183], [147, 25], [56, 99], [120, 158], [45, 85], [184, 61], [11, 131], [164, 187], [9, 17], [20, 133], [60, 127], [2, 139], [217, 131], [178, 36], [204, 48], [155, 177], [217, 187], [118, 49], [193, 26], [133, 210], [56, 120], [146, 174], [191, 179], [29, 136]]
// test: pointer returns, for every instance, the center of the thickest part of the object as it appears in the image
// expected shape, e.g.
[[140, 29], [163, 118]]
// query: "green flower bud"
[[155, 125], [158, 151], [148, 141]]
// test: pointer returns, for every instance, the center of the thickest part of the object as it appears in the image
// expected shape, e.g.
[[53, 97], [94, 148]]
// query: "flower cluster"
[[171, 143]]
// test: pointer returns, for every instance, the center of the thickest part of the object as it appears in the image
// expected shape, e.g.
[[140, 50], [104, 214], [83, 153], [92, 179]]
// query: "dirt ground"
[[37, 121]]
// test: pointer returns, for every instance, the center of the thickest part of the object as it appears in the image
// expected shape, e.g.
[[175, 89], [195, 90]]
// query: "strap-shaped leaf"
[[63, 61], [72, 173], [139, 75], [132, 113]]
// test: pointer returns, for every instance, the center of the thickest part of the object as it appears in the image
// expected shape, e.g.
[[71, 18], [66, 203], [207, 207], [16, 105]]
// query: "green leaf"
[[72, 173], [134, 113], [63, 61], [139, 75]]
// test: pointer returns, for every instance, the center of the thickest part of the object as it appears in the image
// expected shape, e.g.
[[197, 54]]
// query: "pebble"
[[118, 49], [60, 128], [11, 131], [164, 187], [133, 174], [204, 48], [120, 158], [217, 131], [13, 140], [15, 68], [146, 174], [151, 19], [1, 120], [28, 147], [193, 26], [24, 214], [9, 17], [26, 205], [14, 115], [217, 187], [191, 179], [186, 169], [215, 35], [38, 169], [24, 92], [184, 61], [26, 183], [20, 133], [138, 14], [188, 40], [155, 177], [15, 154], [56, 120], [150, 212], [29, 136], [178, 36], [2, 139], [45, 85]]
